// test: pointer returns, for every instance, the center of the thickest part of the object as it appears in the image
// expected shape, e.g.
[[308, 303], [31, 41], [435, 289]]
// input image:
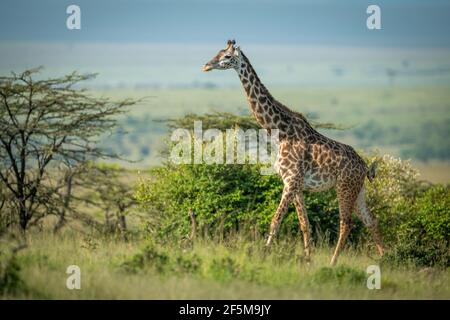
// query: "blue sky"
[[405, 23]]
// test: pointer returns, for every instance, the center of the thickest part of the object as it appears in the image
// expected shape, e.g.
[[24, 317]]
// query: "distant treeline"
[[424, 141], [139, 137]]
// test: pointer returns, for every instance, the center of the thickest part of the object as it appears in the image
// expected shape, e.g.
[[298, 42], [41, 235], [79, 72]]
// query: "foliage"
[[103, 185], [238, 197], [216, 120], [431, 220], [224, 269], [423, 239], [47, 125], [414, 216], [10, 279], [392, 193], [162, 261], [225, 199], [228, 120], [340, 274]]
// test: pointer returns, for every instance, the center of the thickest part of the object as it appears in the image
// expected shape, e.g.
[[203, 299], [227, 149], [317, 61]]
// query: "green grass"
[[235, 269]]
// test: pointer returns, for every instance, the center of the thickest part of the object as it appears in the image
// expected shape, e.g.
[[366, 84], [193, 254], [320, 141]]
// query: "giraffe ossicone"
[[307, 160]]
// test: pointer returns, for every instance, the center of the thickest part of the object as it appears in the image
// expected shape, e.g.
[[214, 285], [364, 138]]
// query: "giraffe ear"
[[230, 44], [237, 51]]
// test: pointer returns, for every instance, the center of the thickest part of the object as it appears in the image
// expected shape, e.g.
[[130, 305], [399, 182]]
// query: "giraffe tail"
[[371, 171]]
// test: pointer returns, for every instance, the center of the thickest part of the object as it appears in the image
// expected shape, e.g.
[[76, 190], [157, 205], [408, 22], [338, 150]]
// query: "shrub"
[[225, 199], [224, 269], [228, 198], [162, 261], [187, 263], [423, 239], [10, 280], [149, 256], [339, 275], [391, 195], [431, 220]]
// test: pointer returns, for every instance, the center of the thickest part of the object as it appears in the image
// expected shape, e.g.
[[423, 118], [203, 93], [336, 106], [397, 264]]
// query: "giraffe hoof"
[[268, 242]]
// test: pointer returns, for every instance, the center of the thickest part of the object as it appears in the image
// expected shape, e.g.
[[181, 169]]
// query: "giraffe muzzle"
[[207, 67]]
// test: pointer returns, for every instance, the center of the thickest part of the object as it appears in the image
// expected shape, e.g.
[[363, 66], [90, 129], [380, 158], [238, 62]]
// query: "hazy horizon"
[[142, 65]]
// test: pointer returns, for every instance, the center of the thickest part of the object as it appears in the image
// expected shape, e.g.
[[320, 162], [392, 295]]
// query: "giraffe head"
[[228, 58]]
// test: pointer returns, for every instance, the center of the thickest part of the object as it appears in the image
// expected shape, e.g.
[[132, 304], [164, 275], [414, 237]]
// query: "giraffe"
[[307, 160]]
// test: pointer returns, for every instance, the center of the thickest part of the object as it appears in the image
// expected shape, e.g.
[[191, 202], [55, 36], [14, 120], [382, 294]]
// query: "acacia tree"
[[101, 185], [46, 125], [111, 193]]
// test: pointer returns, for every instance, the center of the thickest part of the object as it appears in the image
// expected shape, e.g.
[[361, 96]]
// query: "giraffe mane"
[[278, 104]]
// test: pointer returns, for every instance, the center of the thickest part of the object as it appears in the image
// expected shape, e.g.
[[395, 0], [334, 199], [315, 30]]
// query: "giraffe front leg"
[[286, 199], [304, 224], [344, 230]]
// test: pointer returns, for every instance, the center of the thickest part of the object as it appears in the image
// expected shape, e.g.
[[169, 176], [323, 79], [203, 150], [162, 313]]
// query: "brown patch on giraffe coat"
[[262, 100]]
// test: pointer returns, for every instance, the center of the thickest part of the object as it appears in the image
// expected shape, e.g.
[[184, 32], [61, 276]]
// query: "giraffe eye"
[[227, 56]]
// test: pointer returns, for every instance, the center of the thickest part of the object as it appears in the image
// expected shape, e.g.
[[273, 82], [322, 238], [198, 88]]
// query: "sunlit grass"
[[253, 273]]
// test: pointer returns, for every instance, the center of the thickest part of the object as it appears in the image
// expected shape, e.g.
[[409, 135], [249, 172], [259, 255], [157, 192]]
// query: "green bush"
[[392, 194], [224, 269], [10, 280], [423, 239], [431, 220], [226, 199], [339, 275], [151, 257], [162, 261]]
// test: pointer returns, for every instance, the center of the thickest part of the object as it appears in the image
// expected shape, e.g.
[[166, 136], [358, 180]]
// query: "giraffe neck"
[[269, 113]]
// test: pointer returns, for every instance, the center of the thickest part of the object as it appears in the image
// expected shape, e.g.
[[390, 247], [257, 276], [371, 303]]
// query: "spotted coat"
[[307, 160]]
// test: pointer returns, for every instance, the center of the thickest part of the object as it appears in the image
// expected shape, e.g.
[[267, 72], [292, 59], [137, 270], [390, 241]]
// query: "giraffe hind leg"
[[369, 220]]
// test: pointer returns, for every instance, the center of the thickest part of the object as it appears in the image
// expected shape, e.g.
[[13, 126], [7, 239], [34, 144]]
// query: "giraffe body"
[[307, 160]]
